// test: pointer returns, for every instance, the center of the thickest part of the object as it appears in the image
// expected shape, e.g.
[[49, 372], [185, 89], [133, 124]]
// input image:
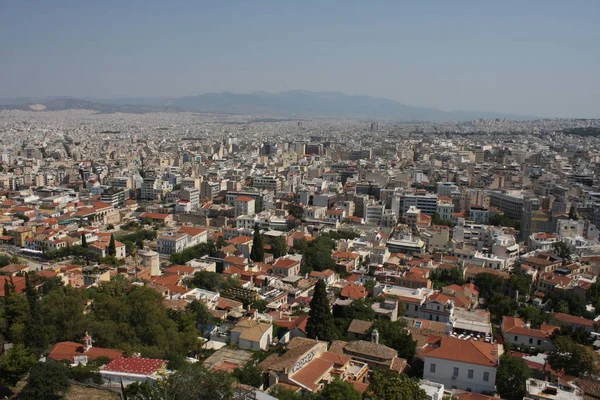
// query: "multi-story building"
[[462, 364]]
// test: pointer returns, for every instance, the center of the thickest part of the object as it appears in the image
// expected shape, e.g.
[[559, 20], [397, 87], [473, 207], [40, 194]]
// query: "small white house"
[[462, 364]]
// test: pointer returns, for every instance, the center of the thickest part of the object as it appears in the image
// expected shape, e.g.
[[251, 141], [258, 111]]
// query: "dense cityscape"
[[189, 255]]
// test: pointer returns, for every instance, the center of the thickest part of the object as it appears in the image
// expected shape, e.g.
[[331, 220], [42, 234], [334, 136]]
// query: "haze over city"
[[534, 58], [299, 200]]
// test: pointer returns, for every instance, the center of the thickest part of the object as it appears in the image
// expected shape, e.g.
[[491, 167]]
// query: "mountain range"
[[295, 103]]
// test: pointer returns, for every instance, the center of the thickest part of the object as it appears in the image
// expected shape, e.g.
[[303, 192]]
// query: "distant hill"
[[285, 104], [78, 104]]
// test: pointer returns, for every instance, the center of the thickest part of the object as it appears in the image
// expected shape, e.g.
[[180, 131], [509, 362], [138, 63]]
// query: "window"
[[486, 376], [539, 342], [432, 368], [470, 374], [455, 372], [530, 341], [516, 338]]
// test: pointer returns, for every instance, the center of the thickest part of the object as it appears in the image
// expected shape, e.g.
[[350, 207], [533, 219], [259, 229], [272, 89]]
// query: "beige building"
[[251, 334]]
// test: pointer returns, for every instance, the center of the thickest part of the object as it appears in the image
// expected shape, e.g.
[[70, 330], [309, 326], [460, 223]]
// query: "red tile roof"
[[467, 351], [135, 365], [18, 281], [68, 351]]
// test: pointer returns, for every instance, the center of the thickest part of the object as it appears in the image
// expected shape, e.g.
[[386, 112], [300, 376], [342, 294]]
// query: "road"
[[34, 264]]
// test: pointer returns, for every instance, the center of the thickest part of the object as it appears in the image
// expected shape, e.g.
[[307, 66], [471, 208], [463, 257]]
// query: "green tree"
[[340, 390], [389, 385], [249, 375], [511, 377], [488, 284], [397, 336], [562, 250], [257, 254], [279, 246], [520, 283], [202, 314], [194, 382], [49, 380], [316, 255], [15, 363], [572, 358], [35, 335], [112, 248], [206, 280], [320, 321]]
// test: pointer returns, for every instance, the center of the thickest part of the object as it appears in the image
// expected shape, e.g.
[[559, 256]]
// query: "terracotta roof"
[[135, 365], [467, 351], [68, 351], [190, 230], [285, 263], [310, 375], [571, 319], [354, 291], [296, 347], [517, 326], [18, 281], [359, 326], [371, 349]]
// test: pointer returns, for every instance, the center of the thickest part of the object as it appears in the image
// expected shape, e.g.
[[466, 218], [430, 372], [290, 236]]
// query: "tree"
[[572, 358], [84, 241], [320, 320], [35, 335], [340, 390], [257, 254], [370, 286], [561, 249], [49, 380], [317, 255], [389, 385], [511, 377], [249, 375], [206, 280], [15, 363], [112, 248], [201, 313], [397, 336], [488, 284], [279, 246], [194, 381], [520, 283]]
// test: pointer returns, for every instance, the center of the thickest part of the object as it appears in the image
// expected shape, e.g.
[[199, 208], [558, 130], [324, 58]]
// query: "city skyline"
[[528, 59]]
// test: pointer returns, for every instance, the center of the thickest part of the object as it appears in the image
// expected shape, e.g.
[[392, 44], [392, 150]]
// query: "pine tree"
[[320, 323], [84, 241], [258, 247], [35, 336], [112, 247]]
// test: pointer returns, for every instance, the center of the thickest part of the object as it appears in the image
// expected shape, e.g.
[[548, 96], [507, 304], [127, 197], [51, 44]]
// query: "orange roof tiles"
[[466, 351]]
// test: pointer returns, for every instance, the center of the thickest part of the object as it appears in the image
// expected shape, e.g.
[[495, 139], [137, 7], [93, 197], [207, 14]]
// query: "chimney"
[[87, 342], [375, 336]]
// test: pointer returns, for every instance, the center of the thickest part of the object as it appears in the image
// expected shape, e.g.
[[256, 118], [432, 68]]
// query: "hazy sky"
[[534, 57]]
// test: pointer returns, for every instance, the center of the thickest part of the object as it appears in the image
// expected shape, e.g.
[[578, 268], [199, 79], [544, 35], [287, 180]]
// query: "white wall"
[[444, 374]]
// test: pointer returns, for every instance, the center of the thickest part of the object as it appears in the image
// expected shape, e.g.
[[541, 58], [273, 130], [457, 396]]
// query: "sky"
[[529, 57]]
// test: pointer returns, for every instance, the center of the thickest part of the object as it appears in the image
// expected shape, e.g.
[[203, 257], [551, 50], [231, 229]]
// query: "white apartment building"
[[445, 208], [171, 243], [426, 202], [244, 205], [190, 194]]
